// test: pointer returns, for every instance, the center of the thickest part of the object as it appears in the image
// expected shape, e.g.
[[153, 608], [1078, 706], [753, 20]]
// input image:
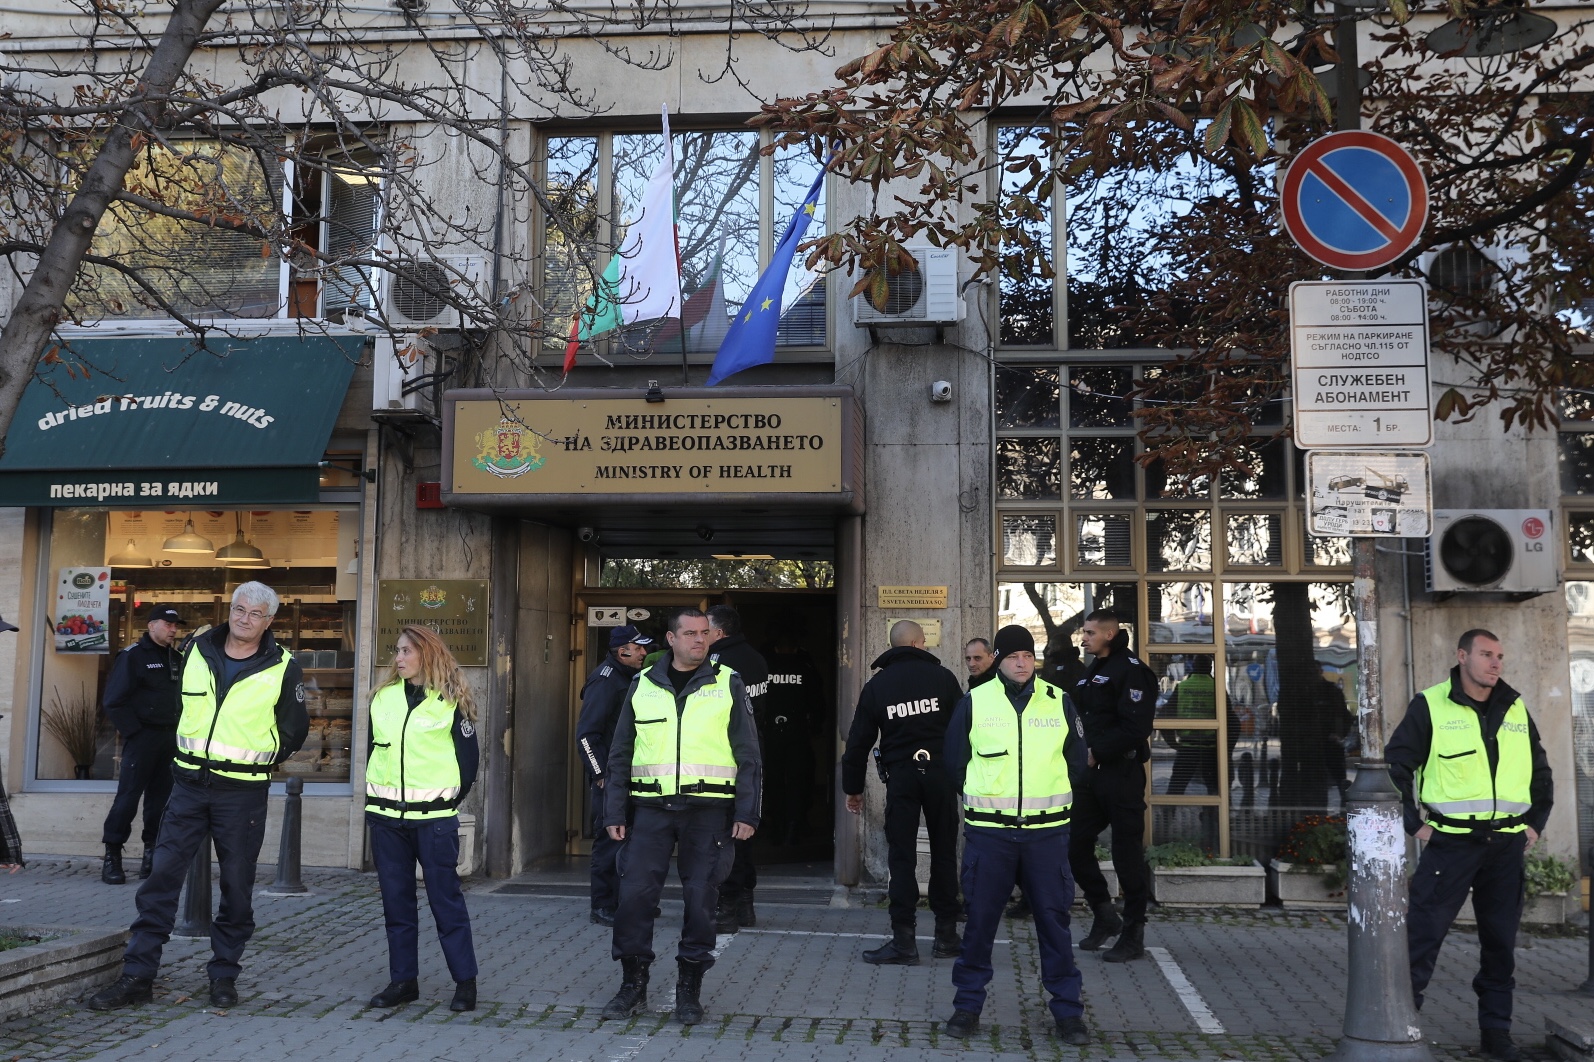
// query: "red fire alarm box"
[[429, 496]]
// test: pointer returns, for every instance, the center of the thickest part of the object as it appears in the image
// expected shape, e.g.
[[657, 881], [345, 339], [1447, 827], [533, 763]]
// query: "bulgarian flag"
[[642, 281]]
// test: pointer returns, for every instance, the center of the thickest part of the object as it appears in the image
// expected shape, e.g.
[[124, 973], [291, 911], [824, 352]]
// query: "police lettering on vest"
[[920, 707], [1455, 786], [414, 771]]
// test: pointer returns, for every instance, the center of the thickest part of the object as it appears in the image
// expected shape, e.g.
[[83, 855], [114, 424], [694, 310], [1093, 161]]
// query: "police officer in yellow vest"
[[1478, 791], [243, 713], [688, 744], [421, 764], [1014, 747]]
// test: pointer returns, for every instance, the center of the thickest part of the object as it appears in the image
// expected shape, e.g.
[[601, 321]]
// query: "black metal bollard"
[[288, 883], [1587, 987], [196, 896]]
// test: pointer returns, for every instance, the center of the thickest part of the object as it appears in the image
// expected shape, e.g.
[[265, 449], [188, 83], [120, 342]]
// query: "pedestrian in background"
[[729, 646], [907, 704], [10, 839], [141, 700], [687, 744], [601, 697], [243, 713], [1117, 700], [979, 661], [421, 764], [1013, 748], [1477, 791]]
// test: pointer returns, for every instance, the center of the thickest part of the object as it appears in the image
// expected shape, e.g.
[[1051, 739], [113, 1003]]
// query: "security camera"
[[941, 391], [587, 534]]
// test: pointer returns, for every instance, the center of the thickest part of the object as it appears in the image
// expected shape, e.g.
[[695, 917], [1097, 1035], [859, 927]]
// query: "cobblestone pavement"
[[1261, 985]]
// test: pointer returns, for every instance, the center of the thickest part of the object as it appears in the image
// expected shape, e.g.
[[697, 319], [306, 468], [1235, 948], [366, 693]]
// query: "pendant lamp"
[[188, 541]]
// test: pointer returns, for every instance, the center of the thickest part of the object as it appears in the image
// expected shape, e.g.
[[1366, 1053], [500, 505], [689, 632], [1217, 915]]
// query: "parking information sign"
[[1363, 493], [1359, 353]]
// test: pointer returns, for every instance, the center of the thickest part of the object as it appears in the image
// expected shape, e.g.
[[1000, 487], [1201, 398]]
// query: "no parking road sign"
[[1355, 200]]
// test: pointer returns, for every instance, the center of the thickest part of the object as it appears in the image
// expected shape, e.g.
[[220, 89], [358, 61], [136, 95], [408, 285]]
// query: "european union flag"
[[751, 338]]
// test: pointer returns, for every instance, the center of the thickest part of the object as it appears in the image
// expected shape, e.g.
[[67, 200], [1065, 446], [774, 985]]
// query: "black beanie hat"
[[1013, 639]]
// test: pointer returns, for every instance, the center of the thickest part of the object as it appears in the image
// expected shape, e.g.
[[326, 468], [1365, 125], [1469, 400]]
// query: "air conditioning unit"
[[418, 290], [1508, 551], [925, 297], [395, 363]]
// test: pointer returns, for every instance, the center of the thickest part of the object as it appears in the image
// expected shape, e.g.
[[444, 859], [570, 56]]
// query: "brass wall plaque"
[[589, 447], [455, 608], [910, 597], [932, 629]]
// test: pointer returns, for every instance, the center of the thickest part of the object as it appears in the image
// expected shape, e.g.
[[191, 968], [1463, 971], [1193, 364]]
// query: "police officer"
[[601, 696], [1116, 699], [243, 713], [729, 647], [907, 704], [687, 746], [793, 718], [1013, 748], [1477, 789], [1195, 751], [141, 701], [978, 659]]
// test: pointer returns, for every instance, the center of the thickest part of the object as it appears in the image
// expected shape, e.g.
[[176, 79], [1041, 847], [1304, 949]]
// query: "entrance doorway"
[[795, 630]]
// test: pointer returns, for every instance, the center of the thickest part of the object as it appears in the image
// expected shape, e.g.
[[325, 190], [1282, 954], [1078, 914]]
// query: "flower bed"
[[63, 963], [1305, 886]]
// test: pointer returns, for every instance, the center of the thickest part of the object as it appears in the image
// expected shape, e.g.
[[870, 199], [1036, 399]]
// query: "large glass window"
[[109, 567]]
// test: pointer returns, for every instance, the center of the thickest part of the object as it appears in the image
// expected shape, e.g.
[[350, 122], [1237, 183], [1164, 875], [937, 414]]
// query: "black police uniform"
[[908, 704], [655, 825], [1116, 700], [736, 894], [793, 717], [231, 812], [141, 699], [601, 697], [1487, 862]]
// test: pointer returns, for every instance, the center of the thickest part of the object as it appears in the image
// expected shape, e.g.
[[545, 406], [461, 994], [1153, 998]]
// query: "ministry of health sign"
[[611, 444]]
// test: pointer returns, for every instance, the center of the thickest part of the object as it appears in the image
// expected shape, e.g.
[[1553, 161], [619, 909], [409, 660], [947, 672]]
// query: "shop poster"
[[83, 610]]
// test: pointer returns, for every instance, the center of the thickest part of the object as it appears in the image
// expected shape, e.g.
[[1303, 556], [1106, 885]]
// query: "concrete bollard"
[[195, 921], [288, 883]]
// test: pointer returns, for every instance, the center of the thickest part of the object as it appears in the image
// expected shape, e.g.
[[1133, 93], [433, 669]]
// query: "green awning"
[[236, 421]]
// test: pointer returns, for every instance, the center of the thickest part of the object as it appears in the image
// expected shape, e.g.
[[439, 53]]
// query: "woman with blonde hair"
[[421, 763]]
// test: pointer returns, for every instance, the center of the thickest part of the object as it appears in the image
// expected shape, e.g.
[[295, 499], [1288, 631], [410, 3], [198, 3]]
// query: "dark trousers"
[[994, 860], [146, 772], [396, 847], [910, 792], [1491, 866], [235, 820], [743, 876], [605, 878], [1116, 797], [703, 835], [1191, 762], [788, 784]]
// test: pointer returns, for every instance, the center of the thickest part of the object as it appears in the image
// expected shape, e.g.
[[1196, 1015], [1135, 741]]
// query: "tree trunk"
[[38, 311]]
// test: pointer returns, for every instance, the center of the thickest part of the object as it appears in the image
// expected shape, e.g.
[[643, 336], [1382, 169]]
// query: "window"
[[732, 206]]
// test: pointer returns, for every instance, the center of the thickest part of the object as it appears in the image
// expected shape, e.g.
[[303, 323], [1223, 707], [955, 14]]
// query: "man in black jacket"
[[1478, 815], [728, 646], [142, 703], [1117, 701], [601, 697], [980, 661], [907, 705]]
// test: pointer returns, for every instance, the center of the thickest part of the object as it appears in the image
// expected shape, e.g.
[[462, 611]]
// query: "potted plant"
[[1309, 869], [75, 724], [1184, 875]]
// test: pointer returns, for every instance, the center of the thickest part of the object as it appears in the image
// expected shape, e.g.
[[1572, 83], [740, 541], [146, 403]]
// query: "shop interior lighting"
[[240, 553], [188, 541], [130, 558]]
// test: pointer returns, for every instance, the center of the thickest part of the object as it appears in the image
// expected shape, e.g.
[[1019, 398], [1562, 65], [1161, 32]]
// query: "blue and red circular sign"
[[1355, 200]]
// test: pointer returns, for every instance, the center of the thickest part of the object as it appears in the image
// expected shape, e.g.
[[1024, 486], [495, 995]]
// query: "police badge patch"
[[1135, 695], [465, 729], [298, 692]]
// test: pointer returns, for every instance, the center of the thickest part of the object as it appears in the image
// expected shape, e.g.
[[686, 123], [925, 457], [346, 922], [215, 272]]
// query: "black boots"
[[111, 871], [464, 996], [688, 988], [745, 916], [1108, 924], [900, 950], [395, 993], [146, 862], [124, 992], [603, 916], [948, 941], [962, 1024], [1497, 1045], [1130, 945], [725, 917], [632, 998], [224, 991], [1072, 1031]]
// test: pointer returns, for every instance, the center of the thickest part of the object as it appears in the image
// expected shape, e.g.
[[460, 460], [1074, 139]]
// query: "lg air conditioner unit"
[[397, 366], [420, 290], [1507, 551], [926, 296]]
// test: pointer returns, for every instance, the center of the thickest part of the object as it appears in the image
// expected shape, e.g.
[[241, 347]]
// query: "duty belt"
[[410, 805], [1476, 825]]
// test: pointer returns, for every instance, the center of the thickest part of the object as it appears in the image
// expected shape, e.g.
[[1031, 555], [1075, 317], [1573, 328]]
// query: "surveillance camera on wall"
[[941, 391], [587, 534]]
